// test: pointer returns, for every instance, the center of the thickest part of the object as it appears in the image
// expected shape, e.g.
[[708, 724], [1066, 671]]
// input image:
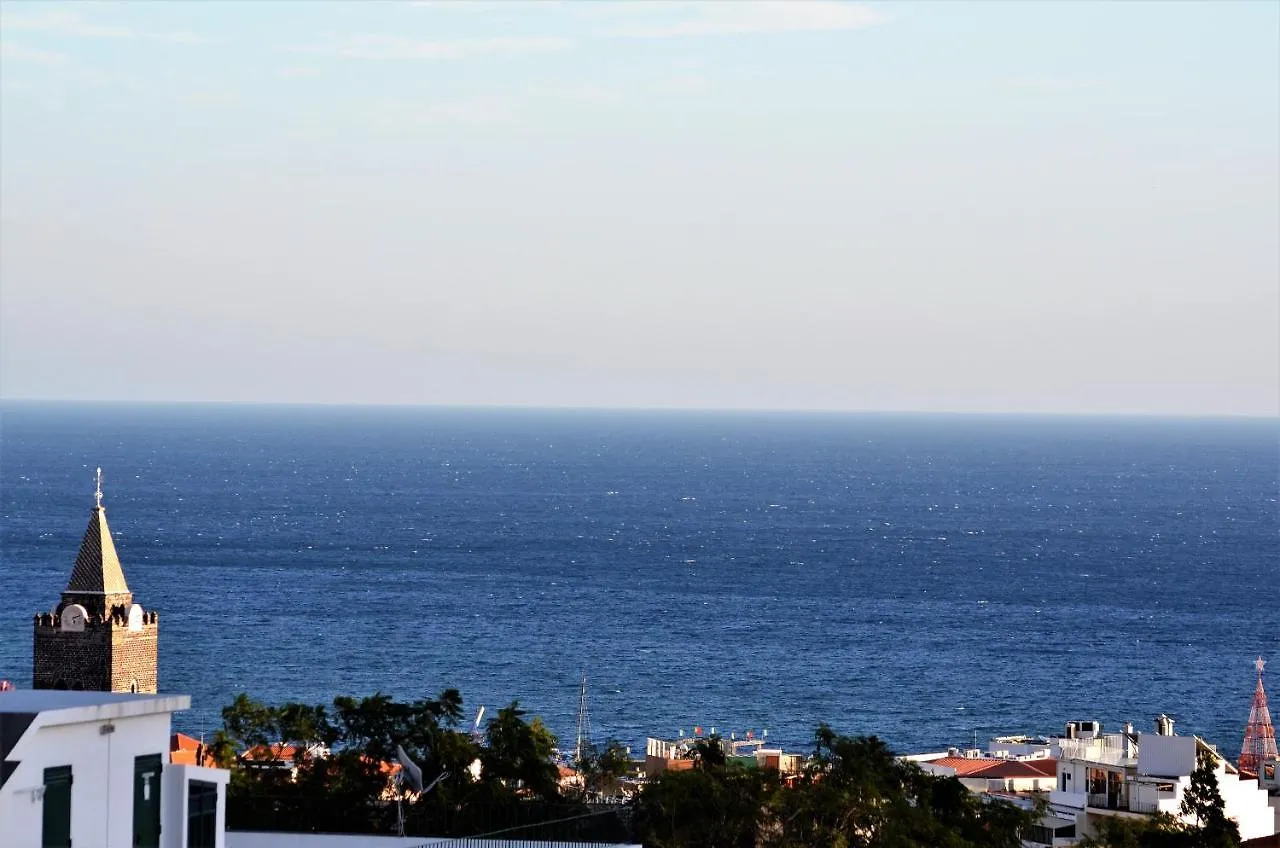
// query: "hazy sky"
[[937, 206]]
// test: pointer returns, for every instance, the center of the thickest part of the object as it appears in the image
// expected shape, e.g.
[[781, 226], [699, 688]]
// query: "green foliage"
[[1203, 802], [713, 805], [341, 774], [602, 768], [853, 794], [519, 753], [1161, 831]]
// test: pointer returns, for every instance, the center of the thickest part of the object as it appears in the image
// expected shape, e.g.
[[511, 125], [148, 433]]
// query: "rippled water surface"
[[925, 578]]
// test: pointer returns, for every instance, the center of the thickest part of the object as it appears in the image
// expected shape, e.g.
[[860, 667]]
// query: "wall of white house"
[[174, 822], [102, 767], [1247, 803], [102, 770], [1166, 756], [1243, 800]]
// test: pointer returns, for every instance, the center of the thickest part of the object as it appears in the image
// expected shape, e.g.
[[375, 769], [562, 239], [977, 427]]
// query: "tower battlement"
[[97, 638]]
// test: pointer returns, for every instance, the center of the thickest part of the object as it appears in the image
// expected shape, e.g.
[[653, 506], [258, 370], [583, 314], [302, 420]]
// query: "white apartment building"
[[91, 770], [1132, 774]]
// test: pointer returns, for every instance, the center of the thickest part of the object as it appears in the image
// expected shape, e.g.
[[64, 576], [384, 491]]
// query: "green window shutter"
[[146, 801], [56, 829]]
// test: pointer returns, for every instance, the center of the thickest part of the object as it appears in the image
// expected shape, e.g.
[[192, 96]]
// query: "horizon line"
[[552, 407]]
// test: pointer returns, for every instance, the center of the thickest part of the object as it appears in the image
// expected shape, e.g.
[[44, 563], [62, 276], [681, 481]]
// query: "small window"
[[202, 814]]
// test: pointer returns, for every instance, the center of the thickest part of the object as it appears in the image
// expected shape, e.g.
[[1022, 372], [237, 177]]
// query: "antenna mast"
[[584, 721]]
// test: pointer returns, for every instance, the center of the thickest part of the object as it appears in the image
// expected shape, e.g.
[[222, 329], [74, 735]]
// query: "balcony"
[[1076, 800], [1108, 801]]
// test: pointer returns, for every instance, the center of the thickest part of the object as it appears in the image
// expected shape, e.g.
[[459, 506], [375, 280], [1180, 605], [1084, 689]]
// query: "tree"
[[714, 804], [602, 769], [521, 754], [853, 793], [1158, 831], [340, 777], [1203, 802]]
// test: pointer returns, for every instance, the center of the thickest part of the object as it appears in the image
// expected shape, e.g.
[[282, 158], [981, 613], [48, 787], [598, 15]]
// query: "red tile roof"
[[999, 769], [1045, 765], [186, 750], [963, 766], [1009, 769]]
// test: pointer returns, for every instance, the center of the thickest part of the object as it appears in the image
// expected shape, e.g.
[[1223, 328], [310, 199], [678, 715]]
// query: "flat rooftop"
[[42, 700]]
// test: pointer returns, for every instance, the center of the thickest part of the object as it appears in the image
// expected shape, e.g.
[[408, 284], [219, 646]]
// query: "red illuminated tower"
[[1259, 736]]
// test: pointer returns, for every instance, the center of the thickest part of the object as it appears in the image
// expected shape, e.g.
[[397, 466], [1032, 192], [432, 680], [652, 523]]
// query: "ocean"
[[930, 579]]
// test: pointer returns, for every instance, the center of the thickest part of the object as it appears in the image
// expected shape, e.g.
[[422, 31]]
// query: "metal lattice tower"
[[584, 723], [1259, 735]]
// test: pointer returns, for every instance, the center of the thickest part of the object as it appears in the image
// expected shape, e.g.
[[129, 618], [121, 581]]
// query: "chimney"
[[1164, 725]]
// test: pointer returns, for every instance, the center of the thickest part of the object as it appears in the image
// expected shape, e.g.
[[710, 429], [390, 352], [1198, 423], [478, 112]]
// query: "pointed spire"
[[1259, 734], [97, 570]]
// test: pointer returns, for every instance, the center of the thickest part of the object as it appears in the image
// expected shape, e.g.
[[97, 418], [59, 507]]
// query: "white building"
[[1133, 774], [91, 770]]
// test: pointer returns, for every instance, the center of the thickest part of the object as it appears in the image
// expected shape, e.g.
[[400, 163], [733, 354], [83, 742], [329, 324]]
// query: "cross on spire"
[[1260, 665], [97, 495]]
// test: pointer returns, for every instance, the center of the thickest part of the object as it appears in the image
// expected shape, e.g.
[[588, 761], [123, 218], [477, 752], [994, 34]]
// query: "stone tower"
[[97, 638]]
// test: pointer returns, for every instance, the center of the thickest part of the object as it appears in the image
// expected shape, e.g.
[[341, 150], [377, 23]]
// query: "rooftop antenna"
[[97, 495]]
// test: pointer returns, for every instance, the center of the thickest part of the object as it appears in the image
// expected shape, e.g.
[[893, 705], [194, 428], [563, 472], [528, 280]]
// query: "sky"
[[943, 206]]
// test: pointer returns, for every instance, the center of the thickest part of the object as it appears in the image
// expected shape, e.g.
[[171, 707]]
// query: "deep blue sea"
[[924, 578]]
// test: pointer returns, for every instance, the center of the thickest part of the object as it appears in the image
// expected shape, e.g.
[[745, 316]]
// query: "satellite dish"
[[410, 773]]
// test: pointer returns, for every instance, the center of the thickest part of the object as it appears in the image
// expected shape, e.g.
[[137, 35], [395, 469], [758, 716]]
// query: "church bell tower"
[[96, 638]]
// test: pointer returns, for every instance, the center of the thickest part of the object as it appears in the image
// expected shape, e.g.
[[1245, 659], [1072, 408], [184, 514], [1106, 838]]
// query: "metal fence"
[[551, 834], [527, 823]]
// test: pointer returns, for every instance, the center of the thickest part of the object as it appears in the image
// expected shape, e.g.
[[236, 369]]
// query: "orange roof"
[[1006, 769], [999, 769], [964, 766], [1046, 766], [565, 771], [183, 742], [186, 750]]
